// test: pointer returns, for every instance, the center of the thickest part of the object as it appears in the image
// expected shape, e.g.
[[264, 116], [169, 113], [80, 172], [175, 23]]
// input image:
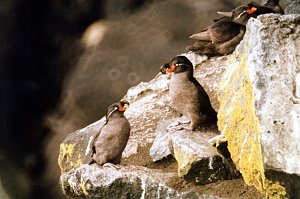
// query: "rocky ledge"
[[256, 93]]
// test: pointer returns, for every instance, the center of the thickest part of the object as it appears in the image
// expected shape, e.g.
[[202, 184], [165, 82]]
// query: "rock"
[[197, 159], [92, 181], [259, 102], [292, 7], [76, 149]]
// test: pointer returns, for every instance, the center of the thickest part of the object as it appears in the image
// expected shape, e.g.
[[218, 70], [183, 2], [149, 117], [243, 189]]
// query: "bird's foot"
[[110, 165], [174, 128], [217, 140]]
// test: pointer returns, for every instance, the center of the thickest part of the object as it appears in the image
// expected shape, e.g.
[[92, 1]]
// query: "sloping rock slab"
[[134, 182]]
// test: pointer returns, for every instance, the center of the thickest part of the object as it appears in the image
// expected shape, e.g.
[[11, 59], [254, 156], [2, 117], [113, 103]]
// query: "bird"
[[113, 136], [187, 94], [273, 4], [243, 13], [221, 37]]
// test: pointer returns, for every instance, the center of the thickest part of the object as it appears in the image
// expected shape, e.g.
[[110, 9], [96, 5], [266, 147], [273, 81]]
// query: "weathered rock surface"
[[92, 181], [292, 7], [197, 159], [77, 147], [259, 105]]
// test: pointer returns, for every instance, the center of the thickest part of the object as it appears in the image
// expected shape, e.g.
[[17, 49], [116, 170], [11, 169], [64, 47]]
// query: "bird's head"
[[242, 14], [177, 65], [117, 108]]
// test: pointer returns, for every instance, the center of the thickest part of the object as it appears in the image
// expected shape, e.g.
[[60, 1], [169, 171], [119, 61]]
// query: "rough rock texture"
[[77, 147], [292, 7], [259, 105], [197, 159], [92, 181]]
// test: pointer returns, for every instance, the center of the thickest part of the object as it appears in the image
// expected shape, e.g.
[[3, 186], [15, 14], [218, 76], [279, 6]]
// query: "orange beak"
[[251, 11], [172, 69], [123, 108]]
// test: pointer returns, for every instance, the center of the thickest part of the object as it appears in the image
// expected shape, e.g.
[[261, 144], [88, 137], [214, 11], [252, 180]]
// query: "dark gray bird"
[[243, 13], [113, 136], [187, 94], [221, 37]]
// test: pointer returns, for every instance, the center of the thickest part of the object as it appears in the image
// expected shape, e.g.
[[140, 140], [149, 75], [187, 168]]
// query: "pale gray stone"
[[274, 61], [135, 182]]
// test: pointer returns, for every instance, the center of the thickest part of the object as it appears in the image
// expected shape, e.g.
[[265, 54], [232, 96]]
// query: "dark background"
[[63, 62]]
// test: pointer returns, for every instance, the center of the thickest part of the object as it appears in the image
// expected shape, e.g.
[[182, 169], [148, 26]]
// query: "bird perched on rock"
[[187, 94], [113, 136], [220, 38], [225, 34], [243, 13]]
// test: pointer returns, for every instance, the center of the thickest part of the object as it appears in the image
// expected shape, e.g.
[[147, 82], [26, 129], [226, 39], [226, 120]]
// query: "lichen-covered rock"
[[77, 148], [92, 181], [259, 105]]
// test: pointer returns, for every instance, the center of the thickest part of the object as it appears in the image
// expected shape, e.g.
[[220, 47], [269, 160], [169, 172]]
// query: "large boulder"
[[260, 105]]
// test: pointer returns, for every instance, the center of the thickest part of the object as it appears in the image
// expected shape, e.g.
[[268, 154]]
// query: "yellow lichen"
[[66, 152], [82, 186], [238, 121], [184, 160], [275, 190]]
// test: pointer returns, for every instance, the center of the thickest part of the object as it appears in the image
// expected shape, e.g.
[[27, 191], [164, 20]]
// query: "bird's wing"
[[202, 36]]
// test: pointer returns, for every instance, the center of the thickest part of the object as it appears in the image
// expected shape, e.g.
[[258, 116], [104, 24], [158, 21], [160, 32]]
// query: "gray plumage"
[[187, 94], [114, 135]]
